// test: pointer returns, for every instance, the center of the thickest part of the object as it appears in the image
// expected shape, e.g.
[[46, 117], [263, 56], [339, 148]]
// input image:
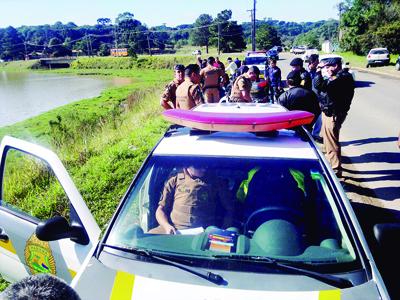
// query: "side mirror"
[[387, 236], [57, 228]]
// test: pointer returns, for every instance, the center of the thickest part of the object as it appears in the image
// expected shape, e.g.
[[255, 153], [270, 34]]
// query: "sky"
[[157, 12]]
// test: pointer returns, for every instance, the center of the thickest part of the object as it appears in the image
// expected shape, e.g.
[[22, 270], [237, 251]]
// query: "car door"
[[31, 239]]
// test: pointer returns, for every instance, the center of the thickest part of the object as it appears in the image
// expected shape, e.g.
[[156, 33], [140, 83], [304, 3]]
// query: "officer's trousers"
[[330, 133]]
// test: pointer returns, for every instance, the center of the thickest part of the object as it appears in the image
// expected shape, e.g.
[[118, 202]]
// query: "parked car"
[[397, 66], [308, 52], [345, 64], [378, 56], [257, 58], [277, 48], [299, 50], [286, 229], [196, 52], [273, 54]]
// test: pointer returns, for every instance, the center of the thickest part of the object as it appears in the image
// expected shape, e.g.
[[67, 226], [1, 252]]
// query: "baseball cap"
[[296, 62], [294, 77], [179, 67], [333, 61]]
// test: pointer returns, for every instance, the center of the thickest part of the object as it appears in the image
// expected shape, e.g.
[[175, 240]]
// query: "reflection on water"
[[24, 95]]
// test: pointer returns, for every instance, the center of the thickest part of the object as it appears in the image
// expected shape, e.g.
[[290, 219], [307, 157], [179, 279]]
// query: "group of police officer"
[[307, 90]]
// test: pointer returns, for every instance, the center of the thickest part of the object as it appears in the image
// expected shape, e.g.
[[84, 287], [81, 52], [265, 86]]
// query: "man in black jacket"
[[299, 98], [335, 95], [297, 65]]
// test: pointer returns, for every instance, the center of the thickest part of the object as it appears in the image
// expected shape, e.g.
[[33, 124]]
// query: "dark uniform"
[[169, 94], [194, 202], [188, 95], [306, 81], [335, 95], [210, 76], [242, 83], [299, 98]]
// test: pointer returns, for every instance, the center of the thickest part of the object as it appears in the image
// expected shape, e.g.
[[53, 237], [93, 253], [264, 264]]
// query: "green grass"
[[102, 142], [360, 61]]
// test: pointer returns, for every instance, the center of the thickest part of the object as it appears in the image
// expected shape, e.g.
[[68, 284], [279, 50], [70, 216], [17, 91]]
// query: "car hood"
[[114, 283]]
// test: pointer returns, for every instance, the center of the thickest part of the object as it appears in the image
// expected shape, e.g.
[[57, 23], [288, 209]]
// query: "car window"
[[379, 52], [31, 189], [279, 208], [255, 60]]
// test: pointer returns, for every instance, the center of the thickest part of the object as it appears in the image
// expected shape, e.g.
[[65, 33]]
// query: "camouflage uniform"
[[188, 95], [242, 83], [169, 94]]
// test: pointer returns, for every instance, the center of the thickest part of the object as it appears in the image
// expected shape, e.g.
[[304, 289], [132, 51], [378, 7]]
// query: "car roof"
[[378, 49], [325, 56], [278, 144]]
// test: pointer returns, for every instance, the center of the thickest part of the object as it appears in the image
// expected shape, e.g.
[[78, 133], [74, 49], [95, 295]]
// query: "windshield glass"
[[213, 206], [255, 60]]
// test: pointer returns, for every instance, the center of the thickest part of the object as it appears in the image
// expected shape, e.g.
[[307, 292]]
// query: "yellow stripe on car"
[[123, 286], [8, 246], [329, 295]]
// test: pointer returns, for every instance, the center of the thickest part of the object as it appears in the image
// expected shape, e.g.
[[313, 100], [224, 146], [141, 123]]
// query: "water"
[[24, 95]]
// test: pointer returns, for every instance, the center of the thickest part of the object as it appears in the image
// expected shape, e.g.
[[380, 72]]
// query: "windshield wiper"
[[329, 279], [210, 276]]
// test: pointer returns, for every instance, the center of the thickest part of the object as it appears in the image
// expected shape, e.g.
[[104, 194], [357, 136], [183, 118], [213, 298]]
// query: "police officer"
[[188, 93], [242, 86], [299, 98], [211, 77], [336, 93], [297, 65], [168, 97], [273, 74], [191, 199]]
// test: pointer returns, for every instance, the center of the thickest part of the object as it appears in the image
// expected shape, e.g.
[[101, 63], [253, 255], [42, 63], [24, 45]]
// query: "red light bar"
[[238, 122]]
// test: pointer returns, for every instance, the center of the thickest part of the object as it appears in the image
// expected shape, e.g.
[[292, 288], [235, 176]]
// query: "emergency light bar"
[[238, 122]]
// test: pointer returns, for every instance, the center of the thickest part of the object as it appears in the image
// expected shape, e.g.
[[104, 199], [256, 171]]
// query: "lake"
[[24, 94]]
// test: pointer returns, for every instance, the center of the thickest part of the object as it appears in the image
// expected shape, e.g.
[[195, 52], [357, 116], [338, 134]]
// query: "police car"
[[293, 235], [258, 59]]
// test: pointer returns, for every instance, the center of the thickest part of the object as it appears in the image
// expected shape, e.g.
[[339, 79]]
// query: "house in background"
[[327, 47]]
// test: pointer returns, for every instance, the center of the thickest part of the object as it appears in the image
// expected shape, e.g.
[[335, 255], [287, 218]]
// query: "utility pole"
[[253, 32], [219, 36]]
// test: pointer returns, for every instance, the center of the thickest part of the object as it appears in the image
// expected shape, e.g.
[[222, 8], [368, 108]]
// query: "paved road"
[[369, 138], [371, 158]]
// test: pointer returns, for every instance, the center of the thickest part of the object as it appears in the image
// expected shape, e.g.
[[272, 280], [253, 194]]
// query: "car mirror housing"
[[57, 228], [387, 236]]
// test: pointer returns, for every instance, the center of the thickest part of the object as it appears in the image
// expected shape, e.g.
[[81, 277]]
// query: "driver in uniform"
[[191, 199]]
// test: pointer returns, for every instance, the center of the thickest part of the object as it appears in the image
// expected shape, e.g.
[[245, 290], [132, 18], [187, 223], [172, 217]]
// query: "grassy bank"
[[102, 141]]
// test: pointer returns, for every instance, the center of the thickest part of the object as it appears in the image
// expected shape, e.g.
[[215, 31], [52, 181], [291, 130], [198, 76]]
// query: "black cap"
[[313, 58], [296, 62], [294, 78], [179, 68], [332, 61]]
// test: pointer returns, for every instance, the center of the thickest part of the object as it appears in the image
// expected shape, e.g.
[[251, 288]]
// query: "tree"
[[228, 33], [267, 37], [200, 35], [103, 21], [12, 46]]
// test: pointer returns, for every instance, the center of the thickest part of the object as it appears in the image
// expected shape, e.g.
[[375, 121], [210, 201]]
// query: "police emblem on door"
[[38, 256]]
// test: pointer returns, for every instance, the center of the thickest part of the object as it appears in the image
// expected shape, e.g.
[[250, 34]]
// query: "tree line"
[[366, 24], [127, 32]]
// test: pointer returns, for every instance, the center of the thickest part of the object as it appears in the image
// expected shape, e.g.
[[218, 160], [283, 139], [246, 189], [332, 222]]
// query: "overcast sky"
[[156, 12]]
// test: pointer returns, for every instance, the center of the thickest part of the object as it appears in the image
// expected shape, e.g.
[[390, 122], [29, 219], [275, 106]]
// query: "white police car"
[[292, 232]]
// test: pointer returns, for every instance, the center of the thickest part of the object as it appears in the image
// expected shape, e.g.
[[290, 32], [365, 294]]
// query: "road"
[[371, 158]]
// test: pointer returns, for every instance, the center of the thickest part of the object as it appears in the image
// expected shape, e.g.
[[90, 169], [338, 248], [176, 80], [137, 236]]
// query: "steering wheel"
[[271, 211]]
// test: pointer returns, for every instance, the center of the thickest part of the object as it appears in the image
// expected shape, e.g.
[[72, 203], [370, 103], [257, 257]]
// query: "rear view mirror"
[[57, 228], [387, 236]]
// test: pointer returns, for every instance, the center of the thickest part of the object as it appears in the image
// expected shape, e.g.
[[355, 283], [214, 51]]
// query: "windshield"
[[255, 60], [206, 207]]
